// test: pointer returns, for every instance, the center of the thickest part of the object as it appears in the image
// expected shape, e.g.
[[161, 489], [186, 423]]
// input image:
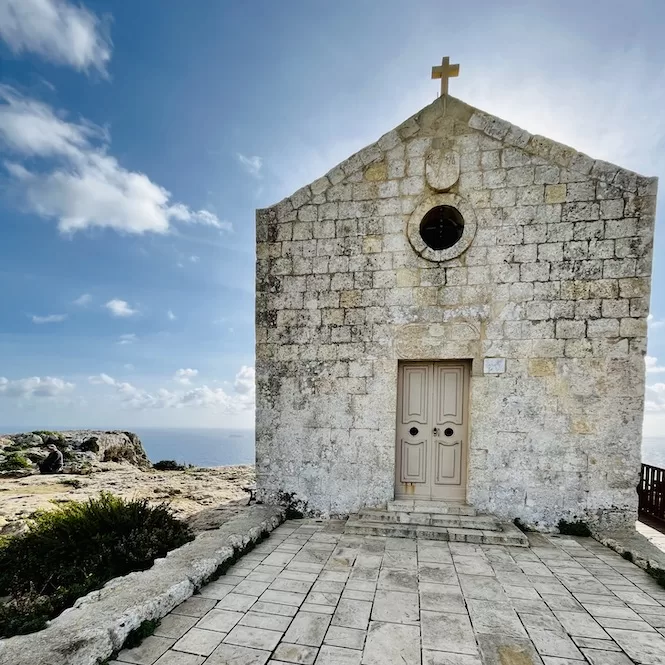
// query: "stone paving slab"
[[372, 600]]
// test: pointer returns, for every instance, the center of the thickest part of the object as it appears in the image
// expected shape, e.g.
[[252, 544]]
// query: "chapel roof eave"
[[485, 123]]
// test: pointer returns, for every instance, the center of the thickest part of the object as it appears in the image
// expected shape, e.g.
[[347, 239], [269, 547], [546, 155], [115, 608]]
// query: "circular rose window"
[[442, 227]]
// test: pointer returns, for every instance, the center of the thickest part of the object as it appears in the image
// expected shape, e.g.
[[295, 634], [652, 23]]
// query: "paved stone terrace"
[[312, 595]]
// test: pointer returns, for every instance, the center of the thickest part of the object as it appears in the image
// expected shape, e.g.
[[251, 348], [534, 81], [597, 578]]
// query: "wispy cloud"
[[34, 386], [84, 299], [185, 376], [244, 381], [252, 165], [77, 182], [170, 315], [56, 30], [200, 397], [50, 318], [652, 366], [194, 258], [654, 323], [120, 308], [128, 338]]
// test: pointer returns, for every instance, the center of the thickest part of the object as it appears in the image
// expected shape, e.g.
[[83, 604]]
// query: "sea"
[[219, 447], [201, 447]]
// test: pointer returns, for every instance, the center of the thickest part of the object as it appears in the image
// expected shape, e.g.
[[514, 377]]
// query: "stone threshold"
[[98, 624]]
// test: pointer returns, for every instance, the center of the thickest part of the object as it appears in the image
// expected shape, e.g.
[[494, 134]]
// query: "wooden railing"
[[651, 491]]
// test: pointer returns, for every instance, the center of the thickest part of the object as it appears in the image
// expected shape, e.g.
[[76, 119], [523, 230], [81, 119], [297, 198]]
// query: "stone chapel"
[[458, 313]]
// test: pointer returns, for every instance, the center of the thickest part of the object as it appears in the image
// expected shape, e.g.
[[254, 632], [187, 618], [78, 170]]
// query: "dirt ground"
[[206, 497]]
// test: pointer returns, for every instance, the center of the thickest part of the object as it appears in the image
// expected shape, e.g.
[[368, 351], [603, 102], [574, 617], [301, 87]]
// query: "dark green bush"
[[574, 528], [14, 462], [168, 465], [521, 525], [136, 636], [77, 548]]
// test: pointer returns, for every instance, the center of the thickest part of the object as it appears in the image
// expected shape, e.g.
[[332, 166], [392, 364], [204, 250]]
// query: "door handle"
[[435, 431]]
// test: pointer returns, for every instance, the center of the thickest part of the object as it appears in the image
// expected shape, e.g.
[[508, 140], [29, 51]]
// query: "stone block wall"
[[555, 280]]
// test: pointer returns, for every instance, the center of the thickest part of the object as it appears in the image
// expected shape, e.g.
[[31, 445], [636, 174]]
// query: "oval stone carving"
[[442, 170]]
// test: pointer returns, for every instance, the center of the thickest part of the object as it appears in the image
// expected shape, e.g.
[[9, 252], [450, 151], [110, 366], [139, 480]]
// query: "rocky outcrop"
[[83, 450]]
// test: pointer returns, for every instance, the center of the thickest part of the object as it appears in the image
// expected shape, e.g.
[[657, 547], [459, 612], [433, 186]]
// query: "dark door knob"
[[413, 431]]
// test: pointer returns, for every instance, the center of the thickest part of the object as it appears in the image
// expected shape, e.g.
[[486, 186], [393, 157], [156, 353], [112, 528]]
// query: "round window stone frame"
[[437, 255]]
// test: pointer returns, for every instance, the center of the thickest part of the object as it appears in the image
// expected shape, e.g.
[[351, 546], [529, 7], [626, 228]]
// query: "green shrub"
[[574, 528], [47, 434], [77, 548], [136, 636], [521, 525], [14, 462], [628, 556], [168, 465]]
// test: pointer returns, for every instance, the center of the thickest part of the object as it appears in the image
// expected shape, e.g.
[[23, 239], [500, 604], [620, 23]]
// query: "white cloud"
[[34, 386], [655, 398], [128, 338], [252, 165], [120, 308], [170, 315], [185, 376], [80, 184], [654, 323], [58, 31], [652, 366], [244, 381], [50, 318], [200, 397], [194, 258], [84, 299]]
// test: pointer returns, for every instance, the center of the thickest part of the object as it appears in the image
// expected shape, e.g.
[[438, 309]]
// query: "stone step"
[[509, 534], [482, 522], [438, 507]]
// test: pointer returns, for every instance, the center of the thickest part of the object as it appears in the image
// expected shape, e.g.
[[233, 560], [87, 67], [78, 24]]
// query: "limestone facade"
[[546, 294]]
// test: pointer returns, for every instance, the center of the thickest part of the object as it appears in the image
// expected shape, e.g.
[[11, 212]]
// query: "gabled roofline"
[[485, 123]]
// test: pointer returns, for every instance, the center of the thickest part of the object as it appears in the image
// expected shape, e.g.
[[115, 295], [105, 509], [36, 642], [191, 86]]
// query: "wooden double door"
[[432, 430]]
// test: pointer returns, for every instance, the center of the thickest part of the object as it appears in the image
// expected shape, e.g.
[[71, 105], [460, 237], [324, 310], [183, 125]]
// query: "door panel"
[[414, 461], [432, 430], [415, 392], [414, 431]]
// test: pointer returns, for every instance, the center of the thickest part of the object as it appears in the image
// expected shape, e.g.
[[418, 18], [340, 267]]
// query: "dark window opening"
[[442, 227]]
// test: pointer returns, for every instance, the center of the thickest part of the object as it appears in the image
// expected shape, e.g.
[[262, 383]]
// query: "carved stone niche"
[[442, 169]]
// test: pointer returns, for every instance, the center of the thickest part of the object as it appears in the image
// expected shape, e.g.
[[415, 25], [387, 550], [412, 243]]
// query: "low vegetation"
[[168, 465], [76, 548], [14, 462], [574, 529]]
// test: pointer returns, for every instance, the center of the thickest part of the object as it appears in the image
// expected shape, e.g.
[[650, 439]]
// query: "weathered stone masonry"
[[555, 280]]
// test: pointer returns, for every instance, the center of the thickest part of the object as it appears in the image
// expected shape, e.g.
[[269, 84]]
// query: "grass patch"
[[574, 529], [136, 636], [521, 525], [75, 549], [14, 462], [168, 465]]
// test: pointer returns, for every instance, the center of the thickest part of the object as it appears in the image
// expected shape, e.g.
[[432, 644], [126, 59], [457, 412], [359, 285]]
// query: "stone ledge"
[[636, 548], [99, 623]]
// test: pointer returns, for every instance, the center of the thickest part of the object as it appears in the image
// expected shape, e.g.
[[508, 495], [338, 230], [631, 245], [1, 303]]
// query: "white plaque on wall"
[[494, 365]]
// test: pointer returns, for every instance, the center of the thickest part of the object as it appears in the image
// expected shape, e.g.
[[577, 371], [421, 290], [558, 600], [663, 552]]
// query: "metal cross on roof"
[[445, 71]]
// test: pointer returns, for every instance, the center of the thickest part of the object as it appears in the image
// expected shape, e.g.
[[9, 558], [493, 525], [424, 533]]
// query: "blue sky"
[[137, 139]]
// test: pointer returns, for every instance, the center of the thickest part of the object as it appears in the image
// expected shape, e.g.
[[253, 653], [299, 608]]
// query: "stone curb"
[[643, 553], [99, 623]]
